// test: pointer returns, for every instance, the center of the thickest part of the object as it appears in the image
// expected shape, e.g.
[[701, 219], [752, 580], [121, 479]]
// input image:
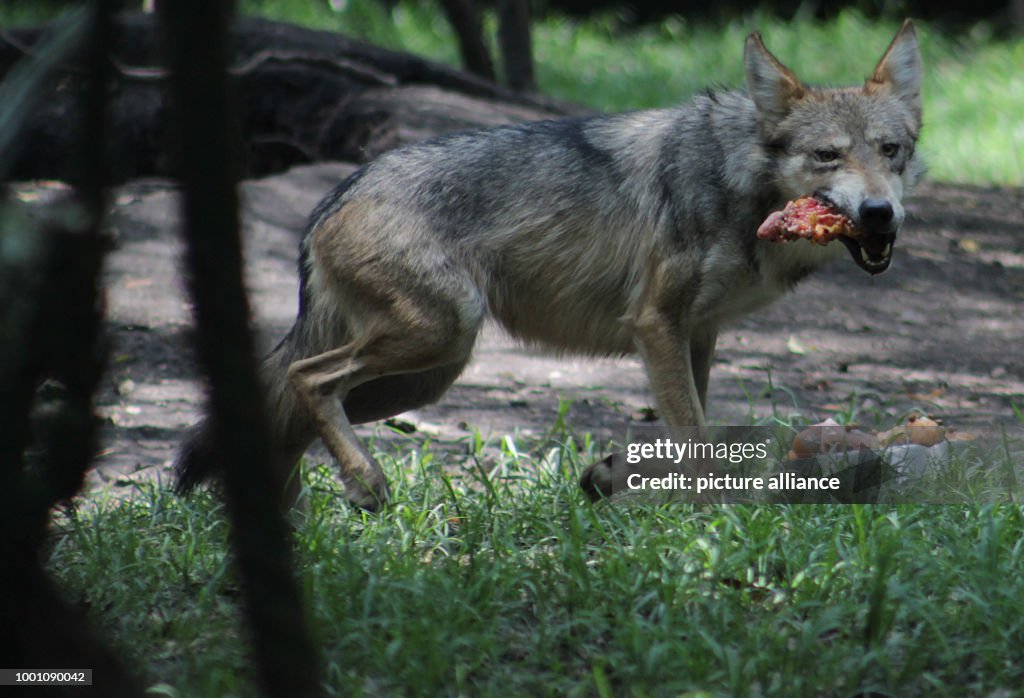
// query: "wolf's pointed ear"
[[773, 87], [900, 71]]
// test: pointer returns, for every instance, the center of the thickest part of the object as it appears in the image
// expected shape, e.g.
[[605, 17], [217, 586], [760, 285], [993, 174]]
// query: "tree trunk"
[[516, 48], [195, 34], [469, 31]]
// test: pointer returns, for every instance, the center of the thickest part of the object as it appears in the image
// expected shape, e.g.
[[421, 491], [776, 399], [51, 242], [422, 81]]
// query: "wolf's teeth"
[[871, 261]]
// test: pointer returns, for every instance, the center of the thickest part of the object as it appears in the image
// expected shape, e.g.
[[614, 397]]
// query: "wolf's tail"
[[199, 459]]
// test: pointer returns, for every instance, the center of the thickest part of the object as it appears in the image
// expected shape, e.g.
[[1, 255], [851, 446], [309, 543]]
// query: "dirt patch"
[[940, 332]]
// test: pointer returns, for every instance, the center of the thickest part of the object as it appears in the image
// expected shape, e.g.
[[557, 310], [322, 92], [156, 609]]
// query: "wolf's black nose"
[[876, 214]]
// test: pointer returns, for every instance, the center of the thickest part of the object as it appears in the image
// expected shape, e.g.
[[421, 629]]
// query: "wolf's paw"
[[599, 480], [369, 497]]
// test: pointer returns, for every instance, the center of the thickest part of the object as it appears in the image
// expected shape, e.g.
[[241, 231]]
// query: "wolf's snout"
[[876, 215]]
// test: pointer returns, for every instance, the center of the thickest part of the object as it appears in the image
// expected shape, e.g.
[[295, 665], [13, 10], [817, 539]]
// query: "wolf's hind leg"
[[423, 337], [385, 397], [316, 380]]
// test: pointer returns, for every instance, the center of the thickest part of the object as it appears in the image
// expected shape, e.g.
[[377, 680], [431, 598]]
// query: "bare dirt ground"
[[941, 332]]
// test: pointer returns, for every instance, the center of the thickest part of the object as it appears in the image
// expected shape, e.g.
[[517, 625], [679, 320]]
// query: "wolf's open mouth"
[[872, 253], [818, 219]]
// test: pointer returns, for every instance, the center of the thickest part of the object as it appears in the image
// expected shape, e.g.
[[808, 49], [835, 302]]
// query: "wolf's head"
[[852, 148]]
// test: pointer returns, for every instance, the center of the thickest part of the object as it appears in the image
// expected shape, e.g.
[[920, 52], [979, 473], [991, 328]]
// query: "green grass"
[[496, 578], [973, 92], [24, 12]]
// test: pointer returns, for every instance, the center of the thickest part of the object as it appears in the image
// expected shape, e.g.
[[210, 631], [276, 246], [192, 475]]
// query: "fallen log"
[[304, 96]]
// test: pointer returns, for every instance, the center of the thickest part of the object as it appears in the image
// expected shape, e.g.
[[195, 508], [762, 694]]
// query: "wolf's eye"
[[890, 150], [826, 155]]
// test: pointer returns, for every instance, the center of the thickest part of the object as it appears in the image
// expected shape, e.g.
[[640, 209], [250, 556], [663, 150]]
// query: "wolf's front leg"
[[672, 356], [702, 354], [677, 360]]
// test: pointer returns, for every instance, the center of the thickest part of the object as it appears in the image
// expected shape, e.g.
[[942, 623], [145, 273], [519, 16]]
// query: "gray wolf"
[[605, 235]]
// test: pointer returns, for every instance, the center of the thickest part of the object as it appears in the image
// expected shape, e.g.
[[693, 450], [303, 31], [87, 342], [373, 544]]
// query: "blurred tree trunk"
[[469, 32], [195, 34], [516, 47], [51, 327], [513, 39]]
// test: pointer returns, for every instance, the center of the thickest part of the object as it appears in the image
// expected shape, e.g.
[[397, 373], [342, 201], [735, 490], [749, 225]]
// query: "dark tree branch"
[[516, 47], [465, 21], [194, 36]]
